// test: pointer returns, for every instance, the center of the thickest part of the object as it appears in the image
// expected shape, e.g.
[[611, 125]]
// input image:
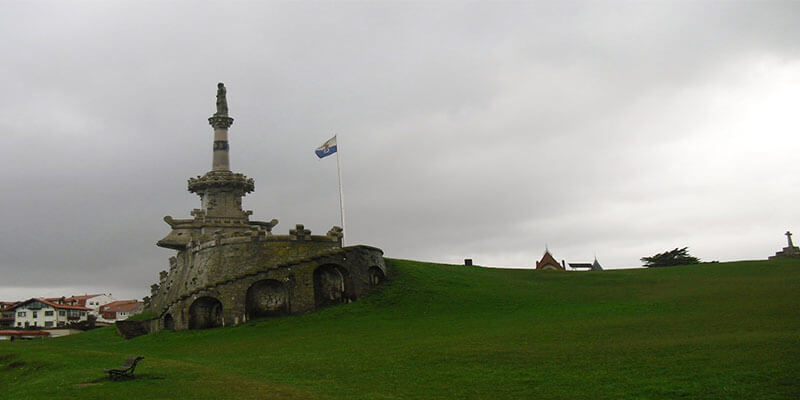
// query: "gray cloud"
[[466, 130]]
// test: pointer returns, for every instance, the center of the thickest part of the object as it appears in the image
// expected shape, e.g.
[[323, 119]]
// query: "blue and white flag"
[[327, 148]]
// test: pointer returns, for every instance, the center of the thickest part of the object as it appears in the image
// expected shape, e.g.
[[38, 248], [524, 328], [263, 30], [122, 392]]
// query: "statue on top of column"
[[222, 102]]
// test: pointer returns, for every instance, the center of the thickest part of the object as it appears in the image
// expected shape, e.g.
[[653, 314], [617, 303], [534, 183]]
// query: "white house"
[[42, 313], [119, 310], [92, 301]]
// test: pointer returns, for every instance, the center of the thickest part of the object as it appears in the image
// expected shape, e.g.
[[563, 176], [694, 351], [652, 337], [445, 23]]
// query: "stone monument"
[[229, 269], [790, 251]]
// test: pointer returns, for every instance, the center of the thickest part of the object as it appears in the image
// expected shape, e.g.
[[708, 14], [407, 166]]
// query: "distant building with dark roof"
[[595, 266]]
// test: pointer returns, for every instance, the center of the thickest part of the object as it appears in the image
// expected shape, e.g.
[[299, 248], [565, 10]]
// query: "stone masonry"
[[790, 251], [229, 269]]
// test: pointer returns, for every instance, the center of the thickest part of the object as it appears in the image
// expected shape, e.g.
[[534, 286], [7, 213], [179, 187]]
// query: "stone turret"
[[220, 121], [220, 192]]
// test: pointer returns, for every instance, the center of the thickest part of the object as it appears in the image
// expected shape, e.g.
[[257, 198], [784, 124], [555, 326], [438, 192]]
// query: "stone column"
[[220, 121], [221, 124]]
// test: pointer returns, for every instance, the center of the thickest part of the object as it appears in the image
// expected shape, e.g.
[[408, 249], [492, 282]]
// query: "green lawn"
[[728, 330]]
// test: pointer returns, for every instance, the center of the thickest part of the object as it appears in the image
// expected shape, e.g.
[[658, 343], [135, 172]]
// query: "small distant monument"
[[790, 251]]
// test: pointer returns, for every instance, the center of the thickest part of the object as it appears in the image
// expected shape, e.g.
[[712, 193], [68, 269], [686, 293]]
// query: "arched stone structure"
[[205, 312], [252, 290], [376, 276], [222, 255], [329, 285], [169, 322], [266, 298]]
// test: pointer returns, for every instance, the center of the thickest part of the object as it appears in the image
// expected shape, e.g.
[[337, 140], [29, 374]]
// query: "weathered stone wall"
[[131, 329], [224, 284], [224, 259]]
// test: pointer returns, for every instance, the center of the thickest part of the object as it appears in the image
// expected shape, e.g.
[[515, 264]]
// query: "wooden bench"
[[125, 371]]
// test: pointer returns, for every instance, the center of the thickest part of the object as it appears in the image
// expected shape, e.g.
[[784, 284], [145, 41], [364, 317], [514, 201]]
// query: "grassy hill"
[[729, 330]]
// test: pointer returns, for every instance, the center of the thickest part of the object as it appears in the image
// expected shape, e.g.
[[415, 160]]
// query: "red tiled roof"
[[548, 259], [85, 297], [51, 304], [63, 300], [81, 300], [24, 333], [7, 305], [121, 306]]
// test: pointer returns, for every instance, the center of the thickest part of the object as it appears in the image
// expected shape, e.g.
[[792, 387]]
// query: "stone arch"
[[376, 276], [169, 322], [204, 313], [266, 298], [330, 285]]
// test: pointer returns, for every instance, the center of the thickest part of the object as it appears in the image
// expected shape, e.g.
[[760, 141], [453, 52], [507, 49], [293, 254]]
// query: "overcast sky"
[[466, 130]]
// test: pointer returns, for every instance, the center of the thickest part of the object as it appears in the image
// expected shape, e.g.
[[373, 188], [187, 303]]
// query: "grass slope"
[[729, 330]]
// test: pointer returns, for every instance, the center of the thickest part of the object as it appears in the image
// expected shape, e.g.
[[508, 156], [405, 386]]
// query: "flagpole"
[[341, 196]]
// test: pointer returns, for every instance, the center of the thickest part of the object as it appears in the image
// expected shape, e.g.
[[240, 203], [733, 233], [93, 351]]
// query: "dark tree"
[[670, 258], [84, 325]]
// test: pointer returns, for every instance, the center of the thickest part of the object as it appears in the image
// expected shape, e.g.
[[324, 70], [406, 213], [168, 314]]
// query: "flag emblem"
[[327, 148]]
